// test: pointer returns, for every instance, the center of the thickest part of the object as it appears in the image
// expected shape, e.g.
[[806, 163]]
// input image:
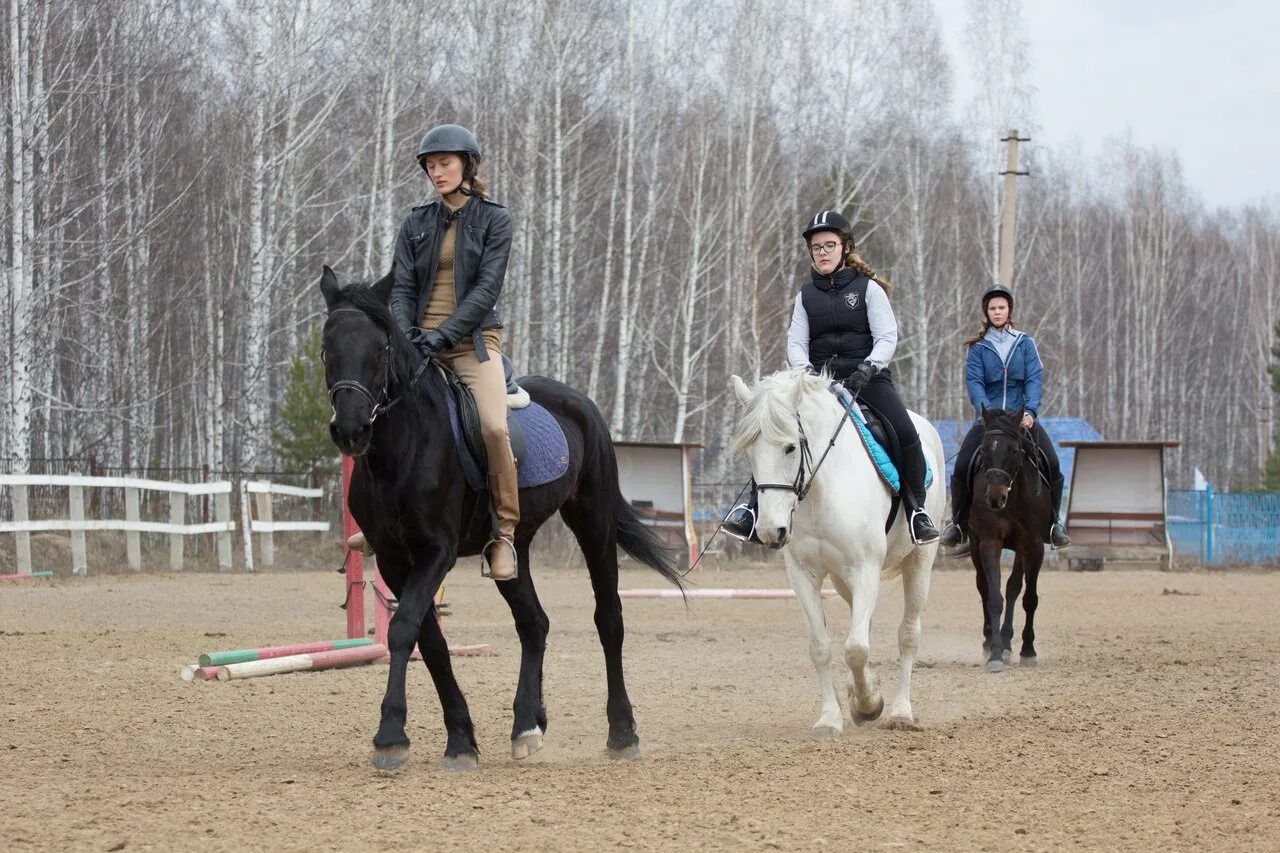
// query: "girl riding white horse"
[[823, 503]]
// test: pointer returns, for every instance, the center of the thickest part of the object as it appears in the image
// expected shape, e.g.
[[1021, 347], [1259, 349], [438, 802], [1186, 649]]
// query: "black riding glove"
[[428, 344], [858, 380]]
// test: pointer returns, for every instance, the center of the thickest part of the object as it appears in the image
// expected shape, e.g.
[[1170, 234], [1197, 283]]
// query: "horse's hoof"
[[464, 762], [826, 732], [903, 723], [389, 759], [995, 666], [1004, 656], [526, 744], [862, 719], [1028, 660], [625, 753]]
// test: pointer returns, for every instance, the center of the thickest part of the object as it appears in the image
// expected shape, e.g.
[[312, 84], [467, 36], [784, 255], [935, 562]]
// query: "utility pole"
[[1008, 208]]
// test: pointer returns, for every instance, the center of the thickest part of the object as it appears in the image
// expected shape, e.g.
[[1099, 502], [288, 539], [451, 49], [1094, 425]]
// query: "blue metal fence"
[[1226, 527]]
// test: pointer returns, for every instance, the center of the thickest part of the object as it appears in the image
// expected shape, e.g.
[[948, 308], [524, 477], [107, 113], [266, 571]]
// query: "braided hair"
[[854, 261]]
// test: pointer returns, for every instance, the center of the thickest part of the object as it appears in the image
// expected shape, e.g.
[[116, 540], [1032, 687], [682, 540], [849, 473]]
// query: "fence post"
[[246, 522], [132, 538], [177, 515], [1208, 525], [222, 514], [79, 557], [267, 542], [23, 536]]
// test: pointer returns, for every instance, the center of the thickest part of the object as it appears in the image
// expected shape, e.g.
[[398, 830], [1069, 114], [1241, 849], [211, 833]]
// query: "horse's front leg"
[[807, 584], [1027, 655], [1013, 588], [989, 555], [865, 702], [391, 744]]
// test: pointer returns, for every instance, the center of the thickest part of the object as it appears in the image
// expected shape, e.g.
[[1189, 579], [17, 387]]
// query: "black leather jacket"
[[482, 247]]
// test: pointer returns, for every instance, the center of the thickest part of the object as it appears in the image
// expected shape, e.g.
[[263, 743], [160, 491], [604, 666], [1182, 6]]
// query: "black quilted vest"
[[839, 329]]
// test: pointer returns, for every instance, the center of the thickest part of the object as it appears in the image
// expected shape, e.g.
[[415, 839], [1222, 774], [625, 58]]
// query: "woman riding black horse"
[[450, 260], [844, 325], [1003, 371]]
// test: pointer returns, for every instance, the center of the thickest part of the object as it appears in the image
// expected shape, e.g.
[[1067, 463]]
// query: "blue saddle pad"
[[546, 456], [880, 457]]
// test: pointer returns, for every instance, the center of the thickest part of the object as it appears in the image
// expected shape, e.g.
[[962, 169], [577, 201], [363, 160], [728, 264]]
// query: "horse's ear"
[[740, 388], [1022, 410], [983, 413], [329, 287], [382, 287]]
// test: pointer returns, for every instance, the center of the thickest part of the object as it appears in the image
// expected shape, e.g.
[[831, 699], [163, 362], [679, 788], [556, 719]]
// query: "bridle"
[[1020, 453], [383, 402], [806, 471]]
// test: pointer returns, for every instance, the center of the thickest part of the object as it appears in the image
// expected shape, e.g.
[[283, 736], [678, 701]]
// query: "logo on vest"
[[851, 299]]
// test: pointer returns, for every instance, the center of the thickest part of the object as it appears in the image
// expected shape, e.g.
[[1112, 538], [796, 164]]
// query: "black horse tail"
[[635, 537]]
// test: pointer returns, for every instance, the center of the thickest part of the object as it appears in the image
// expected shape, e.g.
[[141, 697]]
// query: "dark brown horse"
[[1009, 511]]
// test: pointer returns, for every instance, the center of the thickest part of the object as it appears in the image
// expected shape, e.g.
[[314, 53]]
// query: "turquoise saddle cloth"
[[879, 456]]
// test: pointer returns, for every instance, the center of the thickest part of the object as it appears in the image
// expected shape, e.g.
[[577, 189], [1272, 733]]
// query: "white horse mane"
[[771, 411]]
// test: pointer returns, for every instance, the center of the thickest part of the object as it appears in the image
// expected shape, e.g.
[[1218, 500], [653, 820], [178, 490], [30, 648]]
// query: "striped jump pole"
[[270, 652], [27, 576], [303, 663]]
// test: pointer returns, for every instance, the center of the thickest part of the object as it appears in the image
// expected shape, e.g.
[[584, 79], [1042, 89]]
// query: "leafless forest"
[[175, 173]]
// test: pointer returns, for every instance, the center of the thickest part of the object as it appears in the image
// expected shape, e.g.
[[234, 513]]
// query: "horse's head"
[[772, 437], [1002, 453], [359, 346]]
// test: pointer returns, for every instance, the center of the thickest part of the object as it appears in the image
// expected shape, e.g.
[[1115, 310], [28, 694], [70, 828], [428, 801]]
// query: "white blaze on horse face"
[[773, 465]]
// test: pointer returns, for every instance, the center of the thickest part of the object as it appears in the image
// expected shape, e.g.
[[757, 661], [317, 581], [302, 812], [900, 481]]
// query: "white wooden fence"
[[265, 524], [223, 527]]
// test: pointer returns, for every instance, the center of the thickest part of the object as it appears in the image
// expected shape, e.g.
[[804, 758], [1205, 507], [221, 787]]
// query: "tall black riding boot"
[[1058, 537], [955, 534], [911, 476], [740, 523]]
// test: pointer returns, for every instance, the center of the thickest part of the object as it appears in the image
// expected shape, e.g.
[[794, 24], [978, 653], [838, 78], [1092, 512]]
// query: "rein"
[[801, 484]]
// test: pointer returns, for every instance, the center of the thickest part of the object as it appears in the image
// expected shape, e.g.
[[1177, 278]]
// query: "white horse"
[[828, 517]]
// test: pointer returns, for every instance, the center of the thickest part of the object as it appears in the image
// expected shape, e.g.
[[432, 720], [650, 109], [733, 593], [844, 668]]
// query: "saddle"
[[537, 440], [882, 445]]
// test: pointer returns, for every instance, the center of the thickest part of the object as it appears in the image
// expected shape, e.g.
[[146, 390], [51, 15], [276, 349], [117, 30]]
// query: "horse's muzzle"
[[352, 441], [775, 538]]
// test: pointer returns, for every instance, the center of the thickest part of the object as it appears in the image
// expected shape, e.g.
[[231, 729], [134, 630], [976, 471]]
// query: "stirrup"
[[911, 528], [962, 536], [750, 535], [485, 569]]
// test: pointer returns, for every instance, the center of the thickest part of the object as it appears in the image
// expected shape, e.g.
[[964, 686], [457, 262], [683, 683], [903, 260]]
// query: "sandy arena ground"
[[1151, 723]]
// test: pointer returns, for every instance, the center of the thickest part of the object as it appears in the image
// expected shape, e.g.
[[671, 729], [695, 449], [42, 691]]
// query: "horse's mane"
[[1007, 422], [404, 358], [769, 412]]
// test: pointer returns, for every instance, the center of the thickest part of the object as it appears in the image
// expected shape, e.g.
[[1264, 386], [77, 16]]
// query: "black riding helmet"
[[997, 290], [830, 220], [449, 138]]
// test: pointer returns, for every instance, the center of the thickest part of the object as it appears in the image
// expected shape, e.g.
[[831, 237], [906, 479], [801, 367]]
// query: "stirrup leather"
[[485, 570]]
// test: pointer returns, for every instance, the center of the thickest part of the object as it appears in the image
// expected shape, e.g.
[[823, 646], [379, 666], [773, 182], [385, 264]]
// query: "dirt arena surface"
[[1151, 723]]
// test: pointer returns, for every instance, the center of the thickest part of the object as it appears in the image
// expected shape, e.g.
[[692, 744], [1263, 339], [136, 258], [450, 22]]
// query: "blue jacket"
[[1006, 385]]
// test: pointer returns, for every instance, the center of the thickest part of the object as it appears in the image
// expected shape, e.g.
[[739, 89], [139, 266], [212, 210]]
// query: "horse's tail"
[[639, 541]]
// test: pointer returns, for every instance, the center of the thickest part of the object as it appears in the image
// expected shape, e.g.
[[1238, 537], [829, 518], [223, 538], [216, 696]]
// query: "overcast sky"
[[1201, 78]]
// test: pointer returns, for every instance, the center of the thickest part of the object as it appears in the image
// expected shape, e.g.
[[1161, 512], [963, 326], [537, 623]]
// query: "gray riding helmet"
[[449, 138], [994, 291]]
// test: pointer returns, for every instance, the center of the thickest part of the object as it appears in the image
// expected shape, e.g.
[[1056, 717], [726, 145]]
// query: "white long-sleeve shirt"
[[884, 330]]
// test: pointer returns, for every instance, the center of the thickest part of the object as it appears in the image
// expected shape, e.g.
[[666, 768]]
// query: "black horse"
[[1011, 512], [411, 499]]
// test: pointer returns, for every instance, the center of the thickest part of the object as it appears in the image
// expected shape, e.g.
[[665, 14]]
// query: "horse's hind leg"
[[1027, 655], [529, 717], [865, 702], [916, 575], [597, 534], [807, 585], [1011, 591]]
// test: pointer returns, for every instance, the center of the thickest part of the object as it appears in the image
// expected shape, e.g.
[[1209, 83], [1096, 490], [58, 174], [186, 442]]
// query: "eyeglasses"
[[823, 248]]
